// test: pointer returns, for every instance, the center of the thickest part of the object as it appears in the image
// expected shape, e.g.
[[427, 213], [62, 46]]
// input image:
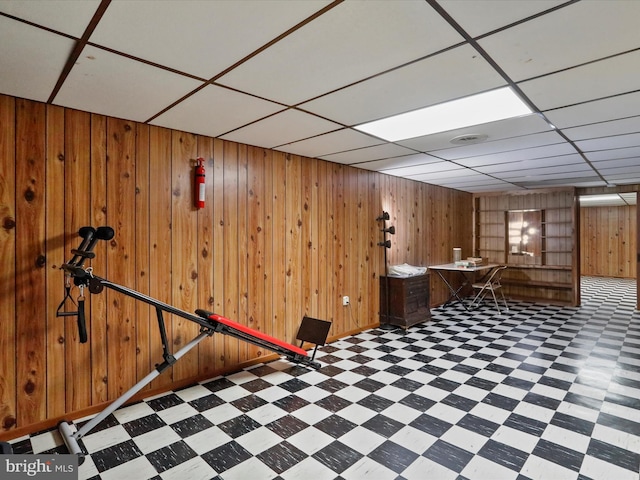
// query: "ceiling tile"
[[603, 110], [596, 80], [482, 16], [378, 152], [469, 177], [215, 110], [598, 156], [604, 129], [202, 39], [285, 127], [328, 143], [590, 181], [569, 36], [109, 84], [449, 75], [560, 171], [498, 168], [66, 16], [499, 187], [620, 172], [563, 150], [627, 169], [513, 127], [609, 143], [623, 179], [396, 162], [349, 43], [32, 59], [621, 162], [429, 177], [426, 168]]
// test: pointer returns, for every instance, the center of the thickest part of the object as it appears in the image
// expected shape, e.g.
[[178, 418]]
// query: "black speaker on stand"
[[386, 244]]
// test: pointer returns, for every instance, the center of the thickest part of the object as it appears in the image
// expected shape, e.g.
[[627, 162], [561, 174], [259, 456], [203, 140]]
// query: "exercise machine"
[[209, 323]]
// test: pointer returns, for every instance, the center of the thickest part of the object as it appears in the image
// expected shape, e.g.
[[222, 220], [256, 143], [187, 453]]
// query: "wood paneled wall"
[[608, 241], [281, 236]]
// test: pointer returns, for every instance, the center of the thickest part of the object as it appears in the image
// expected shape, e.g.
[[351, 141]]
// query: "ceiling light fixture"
[[614, 197], [464, 112]]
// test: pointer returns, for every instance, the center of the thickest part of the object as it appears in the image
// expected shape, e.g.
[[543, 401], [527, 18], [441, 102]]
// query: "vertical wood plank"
[[293, 242], [184, 259], [121, 332], [206, 262], [232, 253], [279, 247], [8, 291], [99, 307], [54, 183], [323, 241], [145, 316], [219, 275], [161, 246], [256, 245], [358, 315], [77, 205], [329, 242], [267, 240], [30, 262], [306, 266], [314, 237], [243, 272], [339, 244], [376, 269]]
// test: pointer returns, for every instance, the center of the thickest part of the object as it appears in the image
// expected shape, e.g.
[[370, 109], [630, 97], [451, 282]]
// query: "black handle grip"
[[87, 234], [102, 233], [82, 324], [90, 237], [105, 233]]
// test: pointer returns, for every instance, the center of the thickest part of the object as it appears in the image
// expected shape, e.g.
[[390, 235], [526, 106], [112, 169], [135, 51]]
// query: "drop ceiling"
[[298, 75]]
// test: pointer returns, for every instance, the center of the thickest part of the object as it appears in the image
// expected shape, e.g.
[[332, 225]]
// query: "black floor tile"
[[337, 456], [170, 456], [451, 456], [431, 425], [559, 454], [505, 455], [393, 456], [281, 457], [226, 456]]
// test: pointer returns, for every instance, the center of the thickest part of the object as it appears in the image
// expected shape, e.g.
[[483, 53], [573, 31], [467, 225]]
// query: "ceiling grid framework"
[[299, 75]]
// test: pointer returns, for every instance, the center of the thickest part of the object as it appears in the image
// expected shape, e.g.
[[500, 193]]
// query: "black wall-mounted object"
[[385, 243]]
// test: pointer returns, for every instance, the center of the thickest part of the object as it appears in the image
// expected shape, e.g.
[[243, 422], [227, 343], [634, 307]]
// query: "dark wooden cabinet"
[[408, 300]]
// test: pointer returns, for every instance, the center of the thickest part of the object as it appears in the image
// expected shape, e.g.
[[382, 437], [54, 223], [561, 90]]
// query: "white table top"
[[454, 267]]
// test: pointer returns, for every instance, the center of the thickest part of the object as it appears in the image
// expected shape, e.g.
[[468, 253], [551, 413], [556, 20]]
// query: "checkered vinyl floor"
[[539, 392]]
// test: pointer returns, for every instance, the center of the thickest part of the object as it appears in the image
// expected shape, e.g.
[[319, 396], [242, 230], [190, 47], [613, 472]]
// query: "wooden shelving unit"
[[551, 276]]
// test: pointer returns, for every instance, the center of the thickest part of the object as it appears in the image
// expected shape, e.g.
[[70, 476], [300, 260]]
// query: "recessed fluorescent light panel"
[[608, 200], [464, 112]]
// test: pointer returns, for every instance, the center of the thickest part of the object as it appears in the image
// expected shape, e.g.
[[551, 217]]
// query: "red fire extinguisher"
[[199, 184]]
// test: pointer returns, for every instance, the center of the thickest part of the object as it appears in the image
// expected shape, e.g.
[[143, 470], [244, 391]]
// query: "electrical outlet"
[[345, 301]]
